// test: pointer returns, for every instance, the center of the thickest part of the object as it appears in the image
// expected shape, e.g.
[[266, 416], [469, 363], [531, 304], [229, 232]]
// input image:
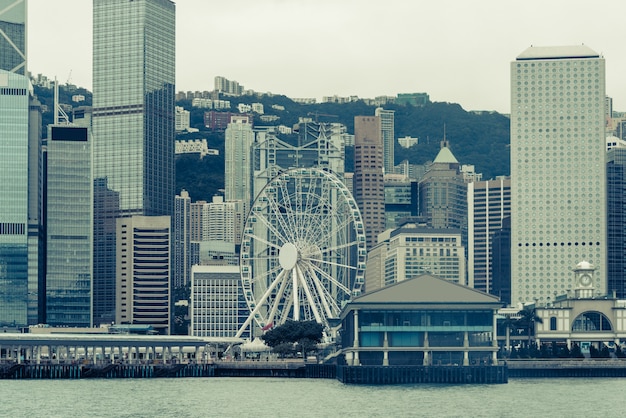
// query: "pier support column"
[[355, 343], [386, 358], [466, 346], [426, 361], [466, 358]]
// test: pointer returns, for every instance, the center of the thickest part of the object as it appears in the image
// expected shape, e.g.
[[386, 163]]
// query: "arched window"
[[553, 323], [591, 321]]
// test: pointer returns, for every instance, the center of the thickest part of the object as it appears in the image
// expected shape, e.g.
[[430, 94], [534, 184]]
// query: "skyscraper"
[[238, 141], [133, 125], [69, 225], [616, 220], [368, 183], [488, 203], [387, 133], [14, 194], [558, 182], [13, 36]]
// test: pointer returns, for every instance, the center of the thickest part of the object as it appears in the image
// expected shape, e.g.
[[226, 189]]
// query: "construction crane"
[[318, 114]]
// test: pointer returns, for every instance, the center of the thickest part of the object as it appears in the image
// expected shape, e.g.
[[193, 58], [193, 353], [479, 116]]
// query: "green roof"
[[445, 156]]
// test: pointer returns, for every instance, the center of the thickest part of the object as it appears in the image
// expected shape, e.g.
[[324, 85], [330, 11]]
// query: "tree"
[[528, 317], [303, 334]]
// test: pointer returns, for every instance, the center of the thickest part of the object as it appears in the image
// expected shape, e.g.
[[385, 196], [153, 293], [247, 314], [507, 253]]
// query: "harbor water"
[[281, 397]]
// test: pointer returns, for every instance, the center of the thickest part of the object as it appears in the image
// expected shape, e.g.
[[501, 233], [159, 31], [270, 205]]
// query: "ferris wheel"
[[303, 249]]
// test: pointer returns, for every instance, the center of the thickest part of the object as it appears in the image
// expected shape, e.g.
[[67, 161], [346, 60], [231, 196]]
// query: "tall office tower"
[[69, 225], [558, 171], [369, 189], [488, 203], [196, 210], [387, 133], [14, 198], [133, 124], [181, 233], [13, 36], [238, 141], [319, 145], [218, 308], [143, 271], [616, 221], [443, 193]]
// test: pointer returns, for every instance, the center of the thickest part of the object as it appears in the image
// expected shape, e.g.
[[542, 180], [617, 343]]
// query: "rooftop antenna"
[[60, 117]]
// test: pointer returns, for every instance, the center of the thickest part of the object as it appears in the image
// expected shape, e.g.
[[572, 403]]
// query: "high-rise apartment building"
[[558, 181], [488, 203], [387, 133], [238, 169], [368, 184], [69, 226], [13, 36], [181, 234], [143, 271], [133, 124]]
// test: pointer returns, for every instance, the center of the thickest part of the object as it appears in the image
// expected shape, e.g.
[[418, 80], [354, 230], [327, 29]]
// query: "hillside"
[[478, 139]]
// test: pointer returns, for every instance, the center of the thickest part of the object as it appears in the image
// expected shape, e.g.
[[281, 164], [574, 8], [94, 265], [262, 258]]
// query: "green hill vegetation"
[[477, 138], [480, 139]]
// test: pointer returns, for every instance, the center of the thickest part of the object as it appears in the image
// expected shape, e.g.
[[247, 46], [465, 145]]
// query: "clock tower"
[[584, 280]]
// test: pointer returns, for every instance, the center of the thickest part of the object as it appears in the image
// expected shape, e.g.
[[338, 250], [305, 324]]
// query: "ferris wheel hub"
[[288, 256]]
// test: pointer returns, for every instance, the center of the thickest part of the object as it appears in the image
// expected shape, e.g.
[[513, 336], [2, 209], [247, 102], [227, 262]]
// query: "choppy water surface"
[[261, 397]]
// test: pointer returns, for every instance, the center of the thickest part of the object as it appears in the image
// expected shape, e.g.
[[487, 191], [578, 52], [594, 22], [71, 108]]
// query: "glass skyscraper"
[[14, 175], [13, 36], [133, 125], [69, 225]]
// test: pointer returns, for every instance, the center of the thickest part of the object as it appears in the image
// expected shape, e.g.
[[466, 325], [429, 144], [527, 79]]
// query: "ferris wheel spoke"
[[309, 296], [324, 295], [330, 278], [277, 300], [264, 241], [340, 247], [272, 228], [275, 207], [263, 300], [260, 278], [331, 263]]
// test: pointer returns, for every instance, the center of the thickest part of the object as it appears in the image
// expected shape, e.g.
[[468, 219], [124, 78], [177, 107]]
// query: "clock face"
[[585, 280]]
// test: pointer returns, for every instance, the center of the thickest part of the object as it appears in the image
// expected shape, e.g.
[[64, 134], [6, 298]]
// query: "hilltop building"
[[558, 171]]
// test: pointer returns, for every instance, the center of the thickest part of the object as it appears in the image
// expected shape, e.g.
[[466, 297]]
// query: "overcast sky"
[[454, 50]]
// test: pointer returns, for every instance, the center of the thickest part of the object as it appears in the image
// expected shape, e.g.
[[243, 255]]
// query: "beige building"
[[143, 272]]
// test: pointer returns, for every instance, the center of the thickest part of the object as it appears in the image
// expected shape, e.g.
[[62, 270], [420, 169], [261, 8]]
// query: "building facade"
[[488, 203], [239, 138], [13, 41], [616, 221], [181, 233], [558, 171], [218, 308], [143, 272], [69, 226], [133, 123], [422, 321], [368, 180], [387, 133]]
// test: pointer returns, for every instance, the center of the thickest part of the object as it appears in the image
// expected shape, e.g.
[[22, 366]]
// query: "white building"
[[258, 108], [387, 133], [408, 141], [182, 119], [558, 179], [218, 307], [238, 141], [222, 221]]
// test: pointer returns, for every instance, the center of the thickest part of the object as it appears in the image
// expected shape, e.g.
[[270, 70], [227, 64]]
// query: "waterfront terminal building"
[[421, 321]]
